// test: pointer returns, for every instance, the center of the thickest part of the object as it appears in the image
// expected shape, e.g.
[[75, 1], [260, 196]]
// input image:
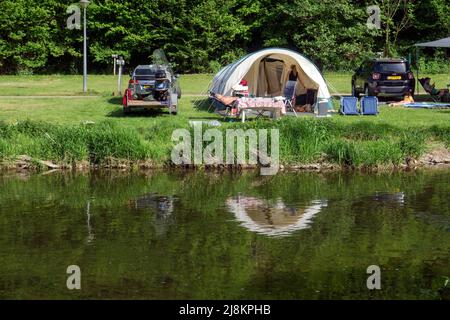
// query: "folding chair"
[[428, 90], [289, 96], [224, 110], [349, 106], [369, 106]]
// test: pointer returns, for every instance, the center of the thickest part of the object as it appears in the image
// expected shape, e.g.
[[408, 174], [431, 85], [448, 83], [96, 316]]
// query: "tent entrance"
[[267, 76], [271, 72]]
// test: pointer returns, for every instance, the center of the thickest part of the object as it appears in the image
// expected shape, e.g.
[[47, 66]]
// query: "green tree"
[[202, 35], [397, 15], [332, 32]]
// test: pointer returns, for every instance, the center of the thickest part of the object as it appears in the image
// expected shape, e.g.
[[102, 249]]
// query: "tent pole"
[[417, 65]]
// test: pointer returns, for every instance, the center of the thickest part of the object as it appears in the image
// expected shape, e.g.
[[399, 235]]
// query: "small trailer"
[[131, 102], [152, 87]]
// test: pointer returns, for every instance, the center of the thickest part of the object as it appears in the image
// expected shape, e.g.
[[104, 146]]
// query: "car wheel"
[[179, 93]]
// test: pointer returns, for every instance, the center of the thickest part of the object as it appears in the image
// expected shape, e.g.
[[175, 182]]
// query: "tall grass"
[[364, 154], [443, 133], [302, 141], [93, 143]]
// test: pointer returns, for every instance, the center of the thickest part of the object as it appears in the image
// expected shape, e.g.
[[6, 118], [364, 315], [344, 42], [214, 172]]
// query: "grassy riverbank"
[[302, 141], [70, 131]]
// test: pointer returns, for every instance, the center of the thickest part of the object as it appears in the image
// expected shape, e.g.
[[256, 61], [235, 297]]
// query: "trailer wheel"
[[126, 108], [125, 100]]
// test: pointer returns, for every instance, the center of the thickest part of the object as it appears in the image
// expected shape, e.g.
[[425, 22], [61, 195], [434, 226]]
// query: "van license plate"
[[395, 78]]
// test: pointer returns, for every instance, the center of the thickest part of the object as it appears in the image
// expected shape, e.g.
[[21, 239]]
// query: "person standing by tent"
[[293, 74]]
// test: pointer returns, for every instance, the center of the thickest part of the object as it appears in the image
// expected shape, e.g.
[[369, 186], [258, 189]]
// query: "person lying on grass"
[[408, 98]]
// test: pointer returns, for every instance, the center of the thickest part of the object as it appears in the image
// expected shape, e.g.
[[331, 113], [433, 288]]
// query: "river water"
[[180, 235]]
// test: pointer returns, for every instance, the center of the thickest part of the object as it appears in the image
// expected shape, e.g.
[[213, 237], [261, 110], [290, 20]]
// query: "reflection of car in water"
[[389, 197], [383, 199], [162, 205], [276, 219], [161, 208]]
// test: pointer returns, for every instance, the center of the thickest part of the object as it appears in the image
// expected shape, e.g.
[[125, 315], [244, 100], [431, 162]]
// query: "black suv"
[[383, 77]]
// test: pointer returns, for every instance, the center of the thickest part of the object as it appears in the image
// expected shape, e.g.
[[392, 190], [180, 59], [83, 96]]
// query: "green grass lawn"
[[26, 123], [55, 85], [106, 85], [42, 85], [75, 110]]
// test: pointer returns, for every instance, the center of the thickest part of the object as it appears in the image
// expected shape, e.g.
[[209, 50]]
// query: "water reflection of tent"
[[276, 219]]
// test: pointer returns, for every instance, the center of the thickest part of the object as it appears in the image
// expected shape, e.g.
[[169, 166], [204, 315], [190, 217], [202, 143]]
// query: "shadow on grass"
[[203, 104], [139, 113], [217, 118], [115, 101]]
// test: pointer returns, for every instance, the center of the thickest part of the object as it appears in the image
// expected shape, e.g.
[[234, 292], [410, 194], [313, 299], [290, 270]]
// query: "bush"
[[214, 66], [412, 144], [437, 64]]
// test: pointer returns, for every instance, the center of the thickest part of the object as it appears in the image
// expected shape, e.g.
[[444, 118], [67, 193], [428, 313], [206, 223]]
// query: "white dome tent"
[[267, 71]]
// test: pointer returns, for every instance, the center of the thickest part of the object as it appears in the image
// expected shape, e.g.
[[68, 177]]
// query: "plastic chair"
[[369, 106], [349, 106]]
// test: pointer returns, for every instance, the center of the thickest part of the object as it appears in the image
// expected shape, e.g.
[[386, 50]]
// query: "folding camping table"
[[259, 111], [260, 105]]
